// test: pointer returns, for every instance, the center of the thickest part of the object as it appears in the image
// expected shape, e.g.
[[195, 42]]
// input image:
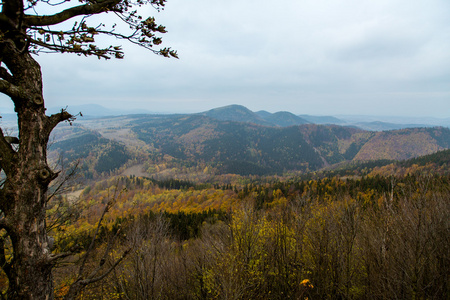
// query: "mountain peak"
[[237, 113]]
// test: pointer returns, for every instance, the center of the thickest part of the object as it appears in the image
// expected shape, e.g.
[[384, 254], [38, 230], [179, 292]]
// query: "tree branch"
[[5, 75], [54, 257], [78, 285], [91, 246], [12, 8], [86, 9], [9, 89], [7, 154], [57, 118], [87, 51], [105, 254], [67, 176], [113, 266], [4, 264], [83, 281]]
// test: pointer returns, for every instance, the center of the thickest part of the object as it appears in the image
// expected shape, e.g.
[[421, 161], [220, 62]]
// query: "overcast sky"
[[320, 57]]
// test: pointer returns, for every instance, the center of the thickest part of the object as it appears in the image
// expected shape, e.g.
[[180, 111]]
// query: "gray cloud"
[[317, 57]]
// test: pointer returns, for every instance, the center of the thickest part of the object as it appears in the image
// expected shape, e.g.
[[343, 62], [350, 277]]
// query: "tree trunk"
[[30, 276], [23, 197]]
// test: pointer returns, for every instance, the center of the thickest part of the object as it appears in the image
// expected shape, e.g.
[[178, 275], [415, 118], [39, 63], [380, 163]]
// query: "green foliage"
[[351, 151], [79, 146], [111, 157], [243, 168], [440, 159], [185, 226], [441, 135]]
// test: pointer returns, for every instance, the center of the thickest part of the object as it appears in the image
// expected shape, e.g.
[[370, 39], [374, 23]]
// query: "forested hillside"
[[405, 143], [95, 153], [329, 238], [179, 141], [231, 145]]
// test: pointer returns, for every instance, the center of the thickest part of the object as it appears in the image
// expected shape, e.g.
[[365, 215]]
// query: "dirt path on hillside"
[[125, 136], [74, 196], [137, 170]]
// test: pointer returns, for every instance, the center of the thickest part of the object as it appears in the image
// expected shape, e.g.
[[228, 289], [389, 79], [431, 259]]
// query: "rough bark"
[[24, 193], [23, 196]]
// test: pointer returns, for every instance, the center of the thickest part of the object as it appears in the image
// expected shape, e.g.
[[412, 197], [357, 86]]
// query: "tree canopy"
[[21, 21]]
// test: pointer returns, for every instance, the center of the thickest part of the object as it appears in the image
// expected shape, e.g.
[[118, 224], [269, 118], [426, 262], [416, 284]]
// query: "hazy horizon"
[[86, 109]]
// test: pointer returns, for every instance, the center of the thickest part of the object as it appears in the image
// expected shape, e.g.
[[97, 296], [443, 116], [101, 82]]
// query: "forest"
[[380, 235]]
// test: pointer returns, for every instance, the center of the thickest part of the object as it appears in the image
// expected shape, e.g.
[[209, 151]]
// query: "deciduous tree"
[[23, 33]]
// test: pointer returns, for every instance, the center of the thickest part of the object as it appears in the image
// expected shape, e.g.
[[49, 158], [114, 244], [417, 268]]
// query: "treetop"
[[36, 32]]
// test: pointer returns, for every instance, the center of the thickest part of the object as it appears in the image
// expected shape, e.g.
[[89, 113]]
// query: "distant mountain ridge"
[[236, 113], [239, 113], [242, 147], [383, 126], [323, 120], [285, 119]]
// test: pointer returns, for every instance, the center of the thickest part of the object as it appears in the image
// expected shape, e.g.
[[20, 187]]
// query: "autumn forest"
[[204, 207], [371, 231]]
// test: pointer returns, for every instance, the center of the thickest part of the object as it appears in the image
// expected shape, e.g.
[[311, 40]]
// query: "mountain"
[[284, 119], [383, 126], [242, 147], [236, 113], [401, 122], [235, 147], [240, 113], [441, 159], [405, 143], [277, 149], [322, 120], [263, 113], [96, 152]]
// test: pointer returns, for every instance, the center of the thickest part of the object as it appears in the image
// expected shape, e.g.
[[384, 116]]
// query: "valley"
[[250, 146]]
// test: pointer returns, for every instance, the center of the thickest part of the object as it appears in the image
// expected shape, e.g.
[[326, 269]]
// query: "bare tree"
[[141, 276]]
